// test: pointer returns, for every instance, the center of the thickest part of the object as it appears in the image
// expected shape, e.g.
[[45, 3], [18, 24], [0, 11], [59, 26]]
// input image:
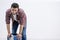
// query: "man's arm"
[[21, 29], [22, 21], [7, 19], [8, 28]]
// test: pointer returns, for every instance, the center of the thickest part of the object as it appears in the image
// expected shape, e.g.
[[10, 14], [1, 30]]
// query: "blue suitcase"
[[13, 37]]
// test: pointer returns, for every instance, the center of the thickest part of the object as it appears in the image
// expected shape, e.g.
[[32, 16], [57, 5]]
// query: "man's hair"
[[14, 5]]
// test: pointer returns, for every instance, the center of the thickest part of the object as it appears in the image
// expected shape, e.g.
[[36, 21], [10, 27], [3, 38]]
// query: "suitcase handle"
[[14, 37]]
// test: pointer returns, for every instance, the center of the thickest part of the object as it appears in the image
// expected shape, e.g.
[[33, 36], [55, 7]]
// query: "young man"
[[18, 18]]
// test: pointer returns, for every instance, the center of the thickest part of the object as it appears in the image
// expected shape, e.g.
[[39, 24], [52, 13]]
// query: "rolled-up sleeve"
[[7, 18], [23, 18]]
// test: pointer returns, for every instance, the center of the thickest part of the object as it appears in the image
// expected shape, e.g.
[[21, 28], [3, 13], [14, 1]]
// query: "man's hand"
[[20, 31], [19, 35], [8, 30], [9, 34]]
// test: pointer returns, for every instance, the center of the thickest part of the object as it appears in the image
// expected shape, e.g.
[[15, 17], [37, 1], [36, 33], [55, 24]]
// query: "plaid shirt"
[[20, 16]]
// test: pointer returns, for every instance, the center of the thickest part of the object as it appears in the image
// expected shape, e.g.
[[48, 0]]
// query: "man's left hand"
[[19, 35]]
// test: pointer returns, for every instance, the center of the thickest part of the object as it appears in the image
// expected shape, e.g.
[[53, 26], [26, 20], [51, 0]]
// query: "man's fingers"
[[9, 35], [19, 35]]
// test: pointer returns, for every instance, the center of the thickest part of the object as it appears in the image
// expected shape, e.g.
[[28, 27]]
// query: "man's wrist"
[[8, 32], [20, 33]]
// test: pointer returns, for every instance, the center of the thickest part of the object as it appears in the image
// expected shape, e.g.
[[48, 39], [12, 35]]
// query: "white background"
[[43, 18]]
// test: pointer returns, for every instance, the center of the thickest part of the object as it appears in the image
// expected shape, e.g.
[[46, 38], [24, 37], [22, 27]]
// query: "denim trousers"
[[14, 30]]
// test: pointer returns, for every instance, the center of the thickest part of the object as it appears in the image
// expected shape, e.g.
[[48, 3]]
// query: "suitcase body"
[[13, 37]]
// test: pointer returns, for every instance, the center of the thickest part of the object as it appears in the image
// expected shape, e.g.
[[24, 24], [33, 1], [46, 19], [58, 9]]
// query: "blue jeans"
[[15, 27]]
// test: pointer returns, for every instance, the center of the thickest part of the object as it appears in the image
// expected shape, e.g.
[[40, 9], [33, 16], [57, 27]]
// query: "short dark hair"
[[14, 5]]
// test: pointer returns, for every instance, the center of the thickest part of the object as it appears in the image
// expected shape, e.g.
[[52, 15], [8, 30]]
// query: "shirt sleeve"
[[7, 18], [23, 18]]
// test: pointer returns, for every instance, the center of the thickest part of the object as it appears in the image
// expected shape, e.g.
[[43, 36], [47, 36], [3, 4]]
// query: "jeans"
[[14, 30]]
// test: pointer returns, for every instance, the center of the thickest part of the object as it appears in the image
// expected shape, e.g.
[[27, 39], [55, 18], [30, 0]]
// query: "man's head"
[[14, 8]]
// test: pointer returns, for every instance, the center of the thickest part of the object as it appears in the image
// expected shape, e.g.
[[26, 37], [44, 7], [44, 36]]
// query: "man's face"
[[14, 10]]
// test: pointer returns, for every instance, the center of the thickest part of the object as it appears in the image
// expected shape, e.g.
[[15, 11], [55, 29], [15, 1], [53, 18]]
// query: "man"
[[18, 18]]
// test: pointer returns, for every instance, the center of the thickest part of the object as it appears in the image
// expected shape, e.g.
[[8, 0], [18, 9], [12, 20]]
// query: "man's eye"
[[14, 10]]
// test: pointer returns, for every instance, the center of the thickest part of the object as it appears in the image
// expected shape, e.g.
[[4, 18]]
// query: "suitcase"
[[13, 37]]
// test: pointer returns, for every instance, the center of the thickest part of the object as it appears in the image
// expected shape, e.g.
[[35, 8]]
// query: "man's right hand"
[[8, 30], [9, 34]]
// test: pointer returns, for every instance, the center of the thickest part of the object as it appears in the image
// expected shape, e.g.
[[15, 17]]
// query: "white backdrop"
[[43, 18]]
